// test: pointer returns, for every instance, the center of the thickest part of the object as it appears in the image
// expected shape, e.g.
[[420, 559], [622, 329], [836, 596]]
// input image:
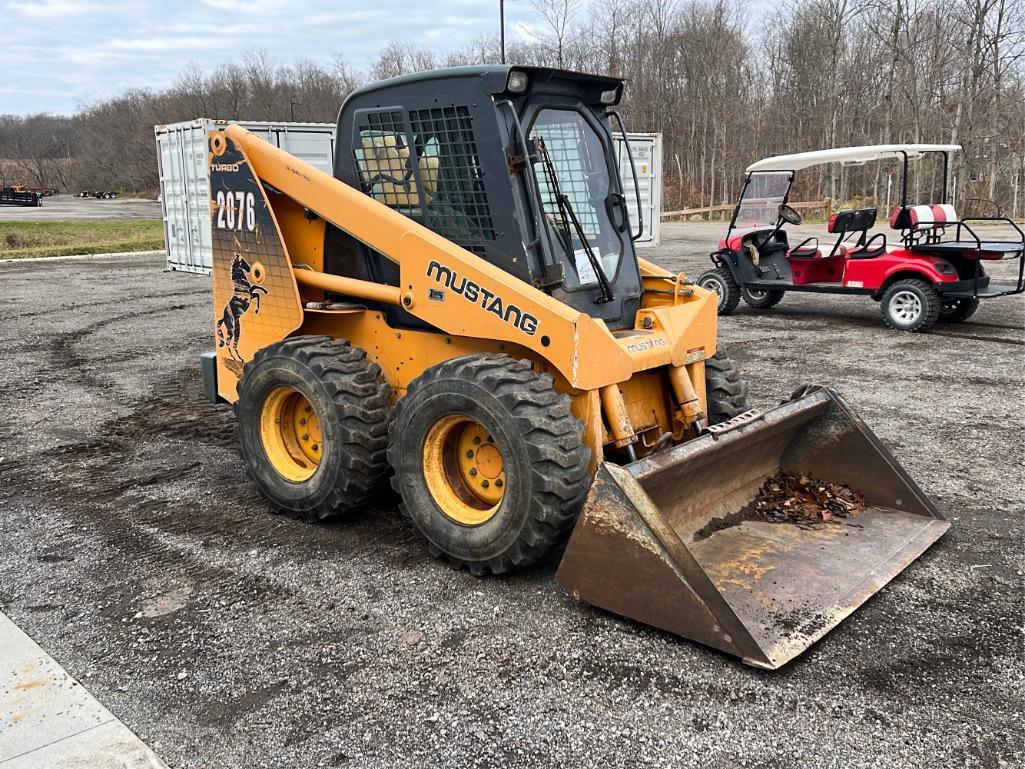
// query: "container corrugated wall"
[[647, 156], [185, 186]]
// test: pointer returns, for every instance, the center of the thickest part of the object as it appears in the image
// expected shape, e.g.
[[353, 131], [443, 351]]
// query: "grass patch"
[[20, 240]]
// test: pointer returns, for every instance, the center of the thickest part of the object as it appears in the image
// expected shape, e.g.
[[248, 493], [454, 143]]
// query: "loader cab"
[[515, 164]]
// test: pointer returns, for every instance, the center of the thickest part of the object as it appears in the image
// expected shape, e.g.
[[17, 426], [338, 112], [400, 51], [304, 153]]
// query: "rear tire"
[[450, 416], [957, 310], [721, 281], [910, 305], [312, 421], [761, 299], [725, 391]]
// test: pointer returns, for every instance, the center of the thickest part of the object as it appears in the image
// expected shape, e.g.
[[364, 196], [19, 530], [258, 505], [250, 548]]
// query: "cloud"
[[61, 53]]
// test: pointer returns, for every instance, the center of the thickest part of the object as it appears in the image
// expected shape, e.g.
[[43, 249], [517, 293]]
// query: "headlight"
[[517, 82]]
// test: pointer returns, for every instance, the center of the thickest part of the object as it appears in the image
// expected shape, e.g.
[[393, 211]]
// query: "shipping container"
[[185, 187], [646, 150]]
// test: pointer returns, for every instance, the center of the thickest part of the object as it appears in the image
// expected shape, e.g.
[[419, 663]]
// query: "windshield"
[[582, 174], [761, 199]]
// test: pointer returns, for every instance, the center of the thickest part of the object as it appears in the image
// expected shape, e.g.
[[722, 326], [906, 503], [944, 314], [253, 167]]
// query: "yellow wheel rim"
[[290, 431], [464, 470]]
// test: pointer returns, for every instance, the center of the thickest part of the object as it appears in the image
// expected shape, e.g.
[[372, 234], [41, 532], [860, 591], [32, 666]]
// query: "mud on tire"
[[353, 405], [545, 462], [726, 392]]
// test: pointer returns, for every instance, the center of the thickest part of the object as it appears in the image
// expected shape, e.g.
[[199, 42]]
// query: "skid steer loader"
[[460, 305]]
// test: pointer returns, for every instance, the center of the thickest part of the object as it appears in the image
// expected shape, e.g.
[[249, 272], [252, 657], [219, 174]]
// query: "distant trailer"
[[12, 197], [185, 185]]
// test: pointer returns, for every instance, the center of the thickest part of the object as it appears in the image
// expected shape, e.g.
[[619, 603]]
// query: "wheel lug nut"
[[476, 440], [473, 471], [498, 483], [484, 484], [306, 436], [314, 447], [469, 454], [490, 439], [302, 421], [309, 409]]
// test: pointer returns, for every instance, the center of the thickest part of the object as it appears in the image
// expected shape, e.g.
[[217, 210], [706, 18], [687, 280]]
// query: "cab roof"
[[494, 77], [851, 155]]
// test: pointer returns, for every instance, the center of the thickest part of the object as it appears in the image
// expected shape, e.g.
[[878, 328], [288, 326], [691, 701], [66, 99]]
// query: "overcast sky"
[[59, 54]]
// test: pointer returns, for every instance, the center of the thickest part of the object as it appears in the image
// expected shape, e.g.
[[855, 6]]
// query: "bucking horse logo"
[[245, 281]]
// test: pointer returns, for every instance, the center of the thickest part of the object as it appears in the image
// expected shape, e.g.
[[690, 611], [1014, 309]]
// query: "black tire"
[[545, 461], [353, 405], [957, 310], [721, 281], [761, 299], [725, 391], [910, 305]]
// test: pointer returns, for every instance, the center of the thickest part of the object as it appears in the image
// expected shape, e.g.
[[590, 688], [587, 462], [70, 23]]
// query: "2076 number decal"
[[236, 210]]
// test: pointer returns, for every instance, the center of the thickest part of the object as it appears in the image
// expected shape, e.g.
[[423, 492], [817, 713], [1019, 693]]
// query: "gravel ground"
[[60, 207], [136, 552]]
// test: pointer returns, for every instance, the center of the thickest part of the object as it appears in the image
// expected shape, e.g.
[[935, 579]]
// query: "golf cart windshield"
[[581, 169], [763, 194]]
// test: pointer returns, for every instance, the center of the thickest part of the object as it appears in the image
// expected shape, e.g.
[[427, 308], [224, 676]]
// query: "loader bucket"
[[763, 591]]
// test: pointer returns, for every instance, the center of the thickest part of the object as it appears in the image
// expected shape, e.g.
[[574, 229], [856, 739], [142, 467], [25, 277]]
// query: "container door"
[[646, 149]]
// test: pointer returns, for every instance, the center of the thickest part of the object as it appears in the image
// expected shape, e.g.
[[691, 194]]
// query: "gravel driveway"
[[138, 554]]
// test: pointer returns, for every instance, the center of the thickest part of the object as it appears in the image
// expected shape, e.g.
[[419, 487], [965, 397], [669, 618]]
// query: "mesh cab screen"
[[432, 175]]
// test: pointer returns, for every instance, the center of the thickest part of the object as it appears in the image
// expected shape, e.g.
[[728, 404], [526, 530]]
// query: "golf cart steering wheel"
[[788, 214]]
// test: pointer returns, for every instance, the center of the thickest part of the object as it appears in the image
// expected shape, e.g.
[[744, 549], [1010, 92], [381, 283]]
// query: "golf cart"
[[918, 280]]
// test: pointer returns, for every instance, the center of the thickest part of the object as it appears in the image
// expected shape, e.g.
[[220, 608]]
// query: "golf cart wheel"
[[761, 299], [725, 391], [720, 280], [910, 305], [957, 310], [489, 461], [312, 422]]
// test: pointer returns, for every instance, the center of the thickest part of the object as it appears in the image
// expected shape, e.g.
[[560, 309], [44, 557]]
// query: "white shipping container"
[[646, 149], [185, 181]]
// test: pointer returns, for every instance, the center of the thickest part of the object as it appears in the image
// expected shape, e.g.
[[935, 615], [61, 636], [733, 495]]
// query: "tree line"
[[725, 87]]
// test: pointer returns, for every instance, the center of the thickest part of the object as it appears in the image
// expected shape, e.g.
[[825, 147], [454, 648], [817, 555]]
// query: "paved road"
[[61, 207], [135, 549]]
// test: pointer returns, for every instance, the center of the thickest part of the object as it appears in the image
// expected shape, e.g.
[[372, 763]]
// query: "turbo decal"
[[483, 298]]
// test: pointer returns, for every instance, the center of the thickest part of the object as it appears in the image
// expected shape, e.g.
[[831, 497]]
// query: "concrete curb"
[[47, 719], [70, 257]]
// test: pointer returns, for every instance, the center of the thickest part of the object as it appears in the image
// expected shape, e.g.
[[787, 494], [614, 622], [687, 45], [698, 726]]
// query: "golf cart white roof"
[[848, 155]]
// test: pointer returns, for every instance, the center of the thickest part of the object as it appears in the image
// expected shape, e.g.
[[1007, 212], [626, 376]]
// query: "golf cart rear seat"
[[928, 223], [844, 223]]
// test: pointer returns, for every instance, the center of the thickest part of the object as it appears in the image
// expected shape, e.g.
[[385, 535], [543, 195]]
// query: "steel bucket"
[[762, 591]]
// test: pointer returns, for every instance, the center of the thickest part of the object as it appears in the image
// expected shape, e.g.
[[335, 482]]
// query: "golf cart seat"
[[923, 218], [933, 219], [810, 249]]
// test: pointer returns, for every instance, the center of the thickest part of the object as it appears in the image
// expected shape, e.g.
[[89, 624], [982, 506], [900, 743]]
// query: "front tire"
[[489, 461], [957, 310], [725, 391], [761, 299], [910, 305], [721, 281], [312, 421]]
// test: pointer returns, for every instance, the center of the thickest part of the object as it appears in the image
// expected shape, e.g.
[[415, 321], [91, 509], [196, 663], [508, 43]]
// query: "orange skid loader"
[[460, 306]]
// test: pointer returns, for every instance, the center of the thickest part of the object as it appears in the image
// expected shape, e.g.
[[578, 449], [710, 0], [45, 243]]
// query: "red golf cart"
[[918, 280]]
